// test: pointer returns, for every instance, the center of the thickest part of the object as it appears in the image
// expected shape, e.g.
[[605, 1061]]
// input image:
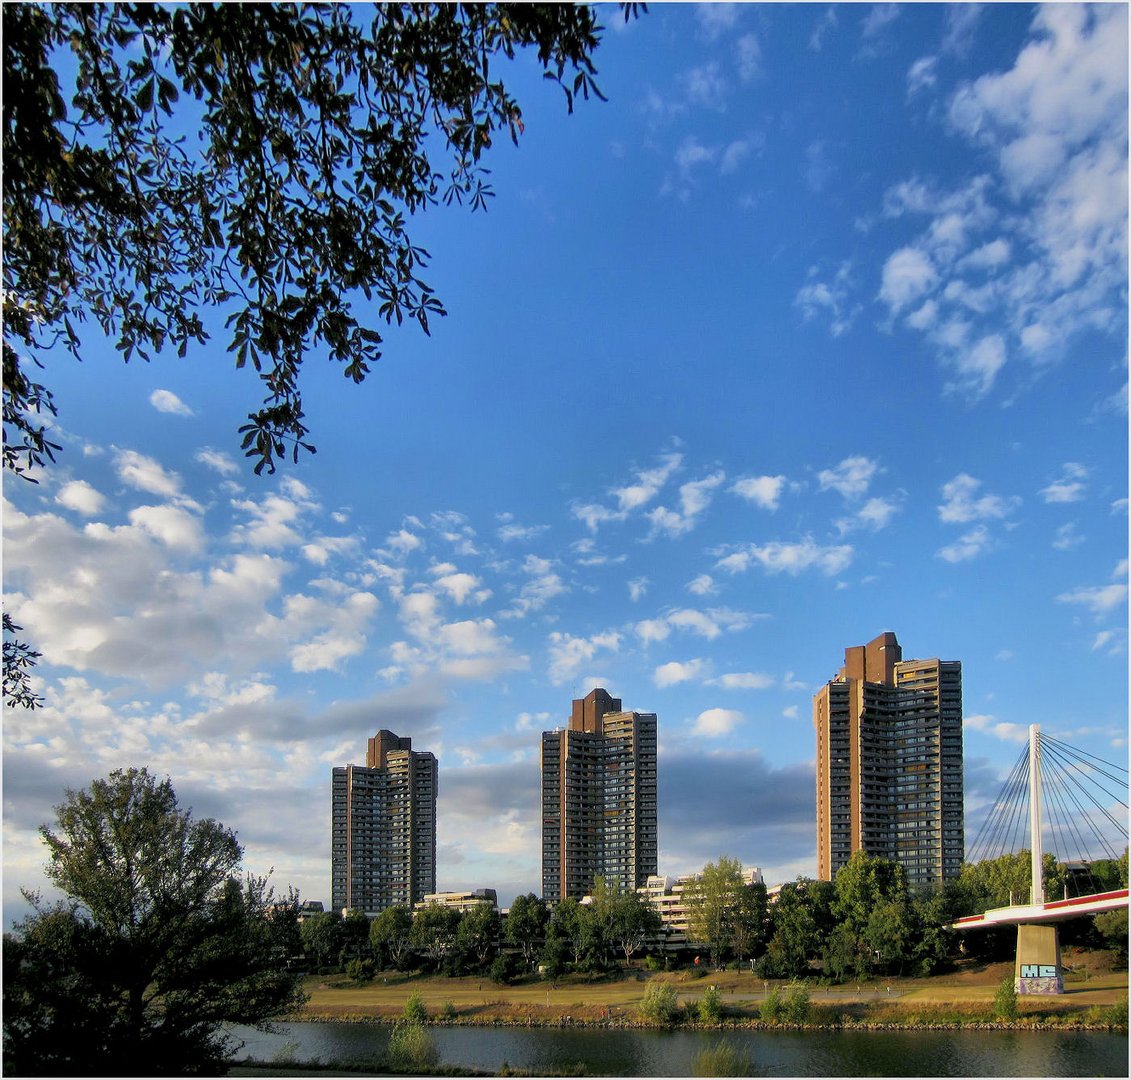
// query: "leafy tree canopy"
[[319, 129], [158, 945]]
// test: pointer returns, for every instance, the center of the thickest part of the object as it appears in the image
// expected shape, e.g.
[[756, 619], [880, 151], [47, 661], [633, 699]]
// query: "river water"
[[651, 1053]]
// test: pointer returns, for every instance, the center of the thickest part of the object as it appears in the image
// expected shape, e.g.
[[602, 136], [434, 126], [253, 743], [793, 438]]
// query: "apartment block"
[[889, 763], [383, 827], [598, 799]]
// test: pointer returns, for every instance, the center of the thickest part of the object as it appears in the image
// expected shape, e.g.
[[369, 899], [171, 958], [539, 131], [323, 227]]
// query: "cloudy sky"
[[816, 329]]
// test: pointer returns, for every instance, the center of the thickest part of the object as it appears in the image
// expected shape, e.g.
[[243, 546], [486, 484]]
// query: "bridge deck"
[[1051, 911]]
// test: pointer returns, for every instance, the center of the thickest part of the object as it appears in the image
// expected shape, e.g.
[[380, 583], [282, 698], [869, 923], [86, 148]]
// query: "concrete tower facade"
[[889, 763], [598, 799], [383, 827]]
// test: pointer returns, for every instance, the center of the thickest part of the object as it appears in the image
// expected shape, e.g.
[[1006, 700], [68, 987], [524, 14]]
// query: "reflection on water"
[[651, 1053]]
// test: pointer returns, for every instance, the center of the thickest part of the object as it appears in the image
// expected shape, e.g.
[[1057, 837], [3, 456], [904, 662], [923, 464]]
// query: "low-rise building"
[[461, 901], [666, 895]]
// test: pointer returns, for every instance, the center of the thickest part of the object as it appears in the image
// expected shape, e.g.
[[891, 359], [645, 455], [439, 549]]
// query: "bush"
[[448, 1011], [502, 969], [414, 1010], [411, 1049], [722, 1059], [1005, 1000], [772, 1007], [656, 963], [711, 1006], [795, 1008], [360, 971], [660, 1003]]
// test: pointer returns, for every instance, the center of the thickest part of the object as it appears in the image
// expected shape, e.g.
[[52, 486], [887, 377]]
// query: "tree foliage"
[[526, 924], [724, 913], [159, 944], [319, 130]]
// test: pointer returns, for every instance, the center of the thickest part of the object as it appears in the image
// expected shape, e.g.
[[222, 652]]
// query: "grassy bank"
[[1094, 998]]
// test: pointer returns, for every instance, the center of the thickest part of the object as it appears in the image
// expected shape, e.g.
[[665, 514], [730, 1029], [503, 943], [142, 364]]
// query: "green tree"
[[390, 936], [660, 1003], [354, 936], [158, 946], [751, 917], [1112, 928], [794, 932], [322, 937], [724, 912], [478, 933], [525, 925], [569, 920], [626, 920], [434, 929]]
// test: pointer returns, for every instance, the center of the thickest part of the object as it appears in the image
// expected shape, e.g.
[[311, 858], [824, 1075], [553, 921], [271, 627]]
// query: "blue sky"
[[816, 329]]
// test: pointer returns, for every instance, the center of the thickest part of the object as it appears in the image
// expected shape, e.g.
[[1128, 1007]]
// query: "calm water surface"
[[650, 1053]]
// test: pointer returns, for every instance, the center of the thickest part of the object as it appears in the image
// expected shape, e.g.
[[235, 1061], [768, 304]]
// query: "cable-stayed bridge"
[[1057, 793]]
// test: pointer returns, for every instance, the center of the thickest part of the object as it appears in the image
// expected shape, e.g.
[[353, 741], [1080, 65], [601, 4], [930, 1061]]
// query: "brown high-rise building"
[[383, 831], [889, 763], [598, 799]]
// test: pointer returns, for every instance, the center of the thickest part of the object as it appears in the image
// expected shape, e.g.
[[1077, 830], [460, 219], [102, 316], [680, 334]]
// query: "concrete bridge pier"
[[1038, 969]]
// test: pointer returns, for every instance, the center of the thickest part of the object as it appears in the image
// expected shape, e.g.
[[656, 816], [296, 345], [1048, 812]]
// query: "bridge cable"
[[1076, 752], [1067, 778], [992, 823]]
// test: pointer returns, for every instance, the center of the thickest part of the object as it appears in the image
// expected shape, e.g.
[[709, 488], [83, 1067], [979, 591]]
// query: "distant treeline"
[[866, 923]]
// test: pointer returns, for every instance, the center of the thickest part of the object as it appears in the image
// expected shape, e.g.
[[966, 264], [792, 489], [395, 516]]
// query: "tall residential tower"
[[598, 799], [383, 833], [889, 763]]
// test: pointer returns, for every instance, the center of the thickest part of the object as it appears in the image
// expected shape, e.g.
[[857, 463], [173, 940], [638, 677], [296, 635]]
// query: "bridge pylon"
[[1037, 969]]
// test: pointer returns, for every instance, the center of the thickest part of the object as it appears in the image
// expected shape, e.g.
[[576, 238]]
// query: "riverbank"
[[1095, 998]]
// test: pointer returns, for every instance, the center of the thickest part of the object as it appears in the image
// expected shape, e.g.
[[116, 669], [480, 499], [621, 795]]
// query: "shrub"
[[711, 1006], [795, 1008], [1005, 1000], [772, 1007], [359, 971], [660, 1003], [411, 1049], [414, 1010], [722, 1059], [502, 969], [656, 963], [448, 1011]]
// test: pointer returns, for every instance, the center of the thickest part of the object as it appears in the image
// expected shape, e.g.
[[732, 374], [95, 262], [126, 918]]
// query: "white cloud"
[[748, 53], [961, 502], [969, 546], [714, 723], [743, 680], [218, 461], [145, 474], [907, 275], [652, 630], [922, 75], [459, 586], [988, 725], [703, 585], [675, 672], [402, 542], [637, 587], [1067, 537], [1099, 599], [174, 527], [165, 401], [79, 496], [694, 498], [569, 654], [977, 366], [709, 624], [1069, 486], [851, 477], [763, 491], [875, 514], [792, 558], [509, 533]]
